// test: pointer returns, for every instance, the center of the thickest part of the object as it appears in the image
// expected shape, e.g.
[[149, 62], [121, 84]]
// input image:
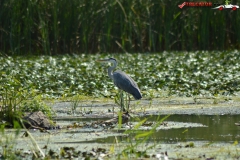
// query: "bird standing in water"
[[122, 81]]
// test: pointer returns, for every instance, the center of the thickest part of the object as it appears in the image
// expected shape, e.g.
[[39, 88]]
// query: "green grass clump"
[[139, 137], [12, 95], [35, 105], [9, 141]]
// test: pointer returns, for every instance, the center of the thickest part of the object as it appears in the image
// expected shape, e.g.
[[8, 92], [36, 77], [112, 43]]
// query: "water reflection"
[[220, 128]]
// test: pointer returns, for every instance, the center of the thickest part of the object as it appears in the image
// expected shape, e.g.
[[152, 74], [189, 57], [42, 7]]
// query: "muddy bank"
[[160, 106], [94, 109]]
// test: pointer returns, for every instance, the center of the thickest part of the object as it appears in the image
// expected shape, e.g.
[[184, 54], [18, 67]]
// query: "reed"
[[12, 95], [57, 27]]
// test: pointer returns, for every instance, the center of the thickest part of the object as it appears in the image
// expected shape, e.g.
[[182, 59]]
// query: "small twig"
[[121, 46], [33, 140]]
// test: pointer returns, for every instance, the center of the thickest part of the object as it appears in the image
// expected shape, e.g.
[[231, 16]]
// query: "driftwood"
[[125, 119]]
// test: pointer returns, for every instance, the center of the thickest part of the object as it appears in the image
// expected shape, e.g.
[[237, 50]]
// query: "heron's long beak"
[[102, 60]]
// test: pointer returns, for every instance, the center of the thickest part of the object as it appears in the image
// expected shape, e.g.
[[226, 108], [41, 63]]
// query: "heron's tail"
[[137, 95]]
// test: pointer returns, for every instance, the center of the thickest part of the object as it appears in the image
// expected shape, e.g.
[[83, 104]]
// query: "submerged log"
[[125, 119]]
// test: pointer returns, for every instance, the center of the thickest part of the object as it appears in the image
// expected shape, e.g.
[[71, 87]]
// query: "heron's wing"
[[126, 83]]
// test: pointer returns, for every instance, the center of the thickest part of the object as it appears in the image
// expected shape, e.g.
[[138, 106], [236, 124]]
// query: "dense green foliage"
[[56, 27], [180, 73], [17, 97]]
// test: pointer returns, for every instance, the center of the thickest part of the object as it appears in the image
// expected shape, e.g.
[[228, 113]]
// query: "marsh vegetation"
[[59, 27], [46, 57], [28, 82]]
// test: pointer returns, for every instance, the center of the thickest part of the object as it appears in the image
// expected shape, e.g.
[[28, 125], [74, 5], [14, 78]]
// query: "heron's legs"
[[124, 102], [128, 104], [121, 101]]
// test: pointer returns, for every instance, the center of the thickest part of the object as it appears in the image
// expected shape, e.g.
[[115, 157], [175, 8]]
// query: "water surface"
[[220, 128]]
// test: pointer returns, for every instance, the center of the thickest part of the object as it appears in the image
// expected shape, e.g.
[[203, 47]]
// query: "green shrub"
[[36, 105]]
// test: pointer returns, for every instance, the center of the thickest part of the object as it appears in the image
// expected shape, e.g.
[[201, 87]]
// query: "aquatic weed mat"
[[201, 73]]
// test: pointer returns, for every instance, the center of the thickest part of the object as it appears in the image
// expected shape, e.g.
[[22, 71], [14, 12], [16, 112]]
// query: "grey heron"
[[122, 80]]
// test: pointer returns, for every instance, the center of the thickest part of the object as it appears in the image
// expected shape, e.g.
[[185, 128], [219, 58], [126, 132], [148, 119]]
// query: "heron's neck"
[[110, 70]]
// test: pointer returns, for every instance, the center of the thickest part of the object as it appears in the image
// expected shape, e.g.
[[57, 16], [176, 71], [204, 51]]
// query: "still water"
[[220, 128]]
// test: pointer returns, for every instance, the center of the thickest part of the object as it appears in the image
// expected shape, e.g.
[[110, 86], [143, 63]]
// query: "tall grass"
[[17, 97], [88, 26], [138, 137], [12, 95]]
